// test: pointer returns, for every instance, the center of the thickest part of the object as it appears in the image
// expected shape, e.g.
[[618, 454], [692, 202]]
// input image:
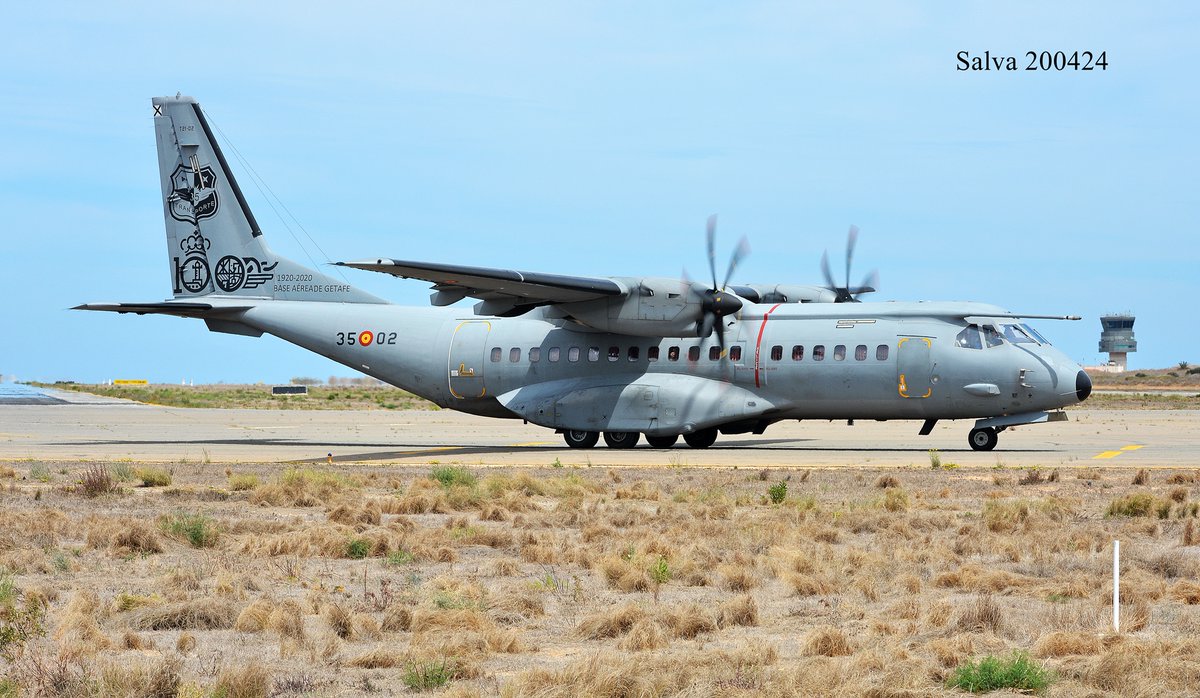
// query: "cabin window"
[[968, 338], [573, 354], [673, 354], [614, 353], [693, 353], [714, 353], [839, 352], [881, 352], [593, 353], [634, 352], [514, 355], [991, 337], [798, 352], [535, 354], [860, 352], [652, 354], [818, 353], [554, 354], [735, 353], [776, 353], [496, 352]]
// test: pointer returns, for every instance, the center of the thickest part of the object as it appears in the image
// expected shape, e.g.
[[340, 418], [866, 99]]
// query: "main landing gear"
[[628, 439], [984, 439]]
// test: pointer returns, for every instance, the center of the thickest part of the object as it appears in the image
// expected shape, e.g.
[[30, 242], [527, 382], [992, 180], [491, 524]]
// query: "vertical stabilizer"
[[214, 244]]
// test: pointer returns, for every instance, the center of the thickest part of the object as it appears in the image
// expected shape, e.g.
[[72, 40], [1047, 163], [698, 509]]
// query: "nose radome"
[[1083, 385]]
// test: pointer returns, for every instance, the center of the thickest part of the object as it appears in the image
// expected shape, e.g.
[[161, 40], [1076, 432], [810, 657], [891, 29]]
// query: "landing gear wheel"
[[621, 439], [983, 439], [581, 439], [701, 439], [662, 441]]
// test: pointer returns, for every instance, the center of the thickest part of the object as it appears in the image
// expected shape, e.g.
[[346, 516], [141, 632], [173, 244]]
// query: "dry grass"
[[602, 581]]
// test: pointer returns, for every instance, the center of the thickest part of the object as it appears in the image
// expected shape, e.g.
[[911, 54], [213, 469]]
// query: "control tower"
[[1116, 338]]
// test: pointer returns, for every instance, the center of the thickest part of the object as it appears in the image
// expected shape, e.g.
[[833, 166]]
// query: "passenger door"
[[467, 358], [914, 367]]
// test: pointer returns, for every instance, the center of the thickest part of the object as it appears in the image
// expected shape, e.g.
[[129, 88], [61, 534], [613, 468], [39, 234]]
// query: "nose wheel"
[[983, 439]]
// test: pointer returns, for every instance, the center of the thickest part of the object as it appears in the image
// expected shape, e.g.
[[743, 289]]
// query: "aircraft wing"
[[453, 282]]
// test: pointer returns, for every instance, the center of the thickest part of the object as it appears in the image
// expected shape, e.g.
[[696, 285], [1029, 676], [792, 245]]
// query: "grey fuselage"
[[483, 365]]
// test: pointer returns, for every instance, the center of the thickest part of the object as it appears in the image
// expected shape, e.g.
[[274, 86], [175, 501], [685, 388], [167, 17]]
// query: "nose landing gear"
[[984, 439]]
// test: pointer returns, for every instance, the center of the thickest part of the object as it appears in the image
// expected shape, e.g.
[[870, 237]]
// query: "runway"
[[108, 430]]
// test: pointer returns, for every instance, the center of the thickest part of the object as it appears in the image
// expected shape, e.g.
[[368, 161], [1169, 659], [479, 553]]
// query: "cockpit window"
[[1017, 335], [968, 338], [1036, 335], [991, 337]]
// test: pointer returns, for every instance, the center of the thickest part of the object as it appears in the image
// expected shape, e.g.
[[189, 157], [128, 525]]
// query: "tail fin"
[[214, 244]]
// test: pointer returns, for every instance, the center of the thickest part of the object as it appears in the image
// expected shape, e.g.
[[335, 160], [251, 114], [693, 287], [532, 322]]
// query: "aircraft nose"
[[1083, 385]]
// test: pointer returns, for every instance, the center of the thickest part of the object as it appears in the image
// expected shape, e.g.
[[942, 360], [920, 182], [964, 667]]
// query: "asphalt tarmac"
[[66, 426]]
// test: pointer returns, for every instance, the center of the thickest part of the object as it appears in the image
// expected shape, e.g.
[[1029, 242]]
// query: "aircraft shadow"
[[420, 450]]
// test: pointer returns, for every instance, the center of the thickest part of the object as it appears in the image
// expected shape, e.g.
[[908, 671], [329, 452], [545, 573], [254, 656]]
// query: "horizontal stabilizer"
[[166, 308]]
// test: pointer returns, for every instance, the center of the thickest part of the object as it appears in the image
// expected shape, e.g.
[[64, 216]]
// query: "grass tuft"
[[153, 477], [197, 529], [1018, 672], [451, 475]]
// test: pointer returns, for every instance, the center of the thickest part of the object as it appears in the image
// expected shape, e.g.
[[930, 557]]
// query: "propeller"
[[717, 302], [848, 293]]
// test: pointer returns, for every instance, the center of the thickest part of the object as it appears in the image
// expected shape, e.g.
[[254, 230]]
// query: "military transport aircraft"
[[622, 357]]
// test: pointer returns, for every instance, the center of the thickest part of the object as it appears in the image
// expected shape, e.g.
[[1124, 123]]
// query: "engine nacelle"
[[654, 307]]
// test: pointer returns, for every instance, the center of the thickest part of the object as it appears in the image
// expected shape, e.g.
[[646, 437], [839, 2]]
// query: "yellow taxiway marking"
[[534, 443], [1106, 454], [1131, 448]]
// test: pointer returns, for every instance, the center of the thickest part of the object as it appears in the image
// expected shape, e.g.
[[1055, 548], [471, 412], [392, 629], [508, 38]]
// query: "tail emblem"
[[193, 197], [193, 272]]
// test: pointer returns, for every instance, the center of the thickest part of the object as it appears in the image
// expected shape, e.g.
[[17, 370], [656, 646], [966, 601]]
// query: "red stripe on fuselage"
[[758, 344]]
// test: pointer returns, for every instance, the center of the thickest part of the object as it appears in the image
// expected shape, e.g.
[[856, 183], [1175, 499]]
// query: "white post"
[[1116, 586]]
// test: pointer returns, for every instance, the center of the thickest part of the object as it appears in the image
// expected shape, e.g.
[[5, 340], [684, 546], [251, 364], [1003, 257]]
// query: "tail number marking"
[[364, 338]]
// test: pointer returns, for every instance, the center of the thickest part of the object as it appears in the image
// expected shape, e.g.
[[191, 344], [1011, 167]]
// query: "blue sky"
[[594, 139]]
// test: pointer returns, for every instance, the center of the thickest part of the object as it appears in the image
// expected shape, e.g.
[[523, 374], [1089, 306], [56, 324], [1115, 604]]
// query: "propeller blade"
[[870, 284], [739, 253], [707, 323], [825, 270], [851, 242], [712, 242], [721, 337]]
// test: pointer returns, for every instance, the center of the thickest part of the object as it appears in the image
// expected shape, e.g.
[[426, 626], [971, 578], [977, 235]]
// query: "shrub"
[[1142, 477], [153, 477], [887, 482], [450, 475], [96, 481], [1018, 672], [935, 459], [428, 675], [777, 492], [198, 529]]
